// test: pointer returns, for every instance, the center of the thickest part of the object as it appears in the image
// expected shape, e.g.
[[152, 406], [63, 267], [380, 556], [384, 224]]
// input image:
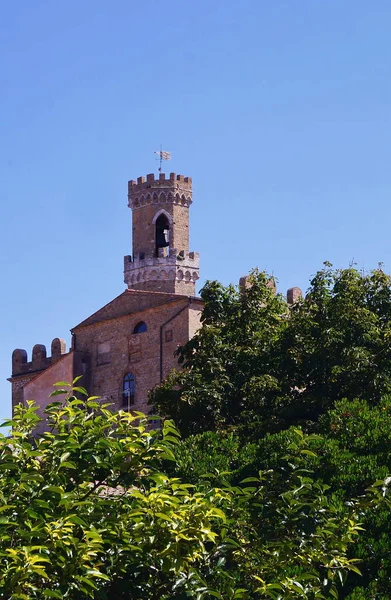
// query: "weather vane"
[[162, 155]]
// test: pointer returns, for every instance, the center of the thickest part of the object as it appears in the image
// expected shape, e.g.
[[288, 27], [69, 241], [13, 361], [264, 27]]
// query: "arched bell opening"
[[162, 233]]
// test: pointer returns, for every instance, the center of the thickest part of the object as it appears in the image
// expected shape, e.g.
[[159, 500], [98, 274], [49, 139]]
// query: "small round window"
[[140, 327]]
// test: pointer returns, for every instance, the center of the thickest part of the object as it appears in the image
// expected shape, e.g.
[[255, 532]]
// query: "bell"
[[162, 238]]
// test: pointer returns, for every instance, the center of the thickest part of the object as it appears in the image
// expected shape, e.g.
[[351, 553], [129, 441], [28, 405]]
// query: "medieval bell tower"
[[161, 261]]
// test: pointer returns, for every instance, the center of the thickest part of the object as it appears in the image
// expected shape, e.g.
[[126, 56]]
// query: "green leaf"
[[80, 390], [64, 456], [308, 452]]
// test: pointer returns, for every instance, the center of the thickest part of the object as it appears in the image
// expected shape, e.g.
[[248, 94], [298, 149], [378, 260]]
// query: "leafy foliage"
[[258, 364], [351, 451], [259, 369], [231, 363], [85, 507], [338, 343], [88, 511]]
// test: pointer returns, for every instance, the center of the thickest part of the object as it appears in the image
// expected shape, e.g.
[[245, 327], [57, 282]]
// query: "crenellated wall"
[[39, 358], [24, 370], [176, 189], [178, 270], [293, 294]]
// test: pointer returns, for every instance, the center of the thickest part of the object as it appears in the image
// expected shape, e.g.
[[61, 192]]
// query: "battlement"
[[173, 180], [175, 257], [246, 282], [176, 189], [293, 294], [164, 270], [39, 359]]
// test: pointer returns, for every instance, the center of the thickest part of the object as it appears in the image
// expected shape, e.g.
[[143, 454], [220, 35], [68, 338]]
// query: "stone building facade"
[[127, 347]]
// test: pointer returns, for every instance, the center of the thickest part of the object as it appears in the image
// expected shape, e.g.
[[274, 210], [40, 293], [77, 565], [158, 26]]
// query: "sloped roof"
[[130, 301]]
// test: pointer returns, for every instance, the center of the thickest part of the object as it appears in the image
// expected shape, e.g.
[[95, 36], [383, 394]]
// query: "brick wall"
[[18, 384], [180, 230], [115, 350], [24, 371], [39, 388], [143, 228]]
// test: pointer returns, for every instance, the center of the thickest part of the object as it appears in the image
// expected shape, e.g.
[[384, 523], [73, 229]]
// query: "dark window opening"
[[128, 390], [154, 423], [140, 327], [162, 232]]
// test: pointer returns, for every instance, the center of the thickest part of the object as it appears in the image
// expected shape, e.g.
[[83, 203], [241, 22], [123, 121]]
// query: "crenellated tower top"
[[176, 189], [161, 260]]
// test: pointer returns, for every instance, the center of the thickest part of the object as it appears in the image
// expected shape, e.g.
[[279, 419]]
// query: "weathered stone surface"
[[293, 295]]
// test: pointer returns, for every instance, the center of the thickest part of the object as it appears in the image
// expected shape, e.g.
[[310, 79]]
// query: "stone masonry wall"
[[143, 228], [115, 350], [24, 371], [194, 318], [147, 198], [172, 268], [180, 230], [40, 388], [183, 287], [18, 384]]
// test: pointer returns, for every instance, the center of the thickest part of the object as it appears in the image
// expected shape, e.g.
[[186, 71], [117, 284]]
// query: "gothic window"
[[140, 327], [128, 390], [162, 232]]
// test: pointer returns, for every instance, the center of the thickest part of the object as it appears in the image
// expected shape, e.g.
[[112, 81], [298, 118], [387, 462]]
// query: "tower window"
[[140, 327], [128, 390], [162, 227]]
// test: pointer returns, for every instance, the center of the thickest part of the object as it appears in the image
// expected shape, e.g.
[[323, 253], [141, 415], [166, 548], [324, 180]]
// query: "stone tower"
[[161, 261]]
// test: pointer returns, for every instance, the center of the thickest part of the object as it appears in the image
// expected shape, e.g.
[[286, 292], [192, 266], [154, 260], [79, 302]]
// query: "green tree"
[[230, 374], [351, 451], [337, 344], [258, 364], [88, 510], [259, 368]]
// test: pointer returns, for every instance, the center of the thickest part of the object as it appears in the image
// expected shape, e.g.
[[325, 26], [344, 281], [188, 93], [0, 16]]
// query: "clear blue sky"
[[279, 110]]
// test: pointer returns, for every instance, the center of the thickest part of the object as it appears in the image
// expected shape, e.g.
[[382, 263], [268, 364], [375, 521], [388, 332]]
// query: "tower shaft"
[[161, 260]]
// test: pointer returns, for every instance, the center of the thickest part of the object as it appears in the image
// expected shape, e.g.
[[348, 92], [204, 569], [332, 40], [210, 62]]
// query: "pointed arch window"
[[140, 327], [162, 232], [128, 390]]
